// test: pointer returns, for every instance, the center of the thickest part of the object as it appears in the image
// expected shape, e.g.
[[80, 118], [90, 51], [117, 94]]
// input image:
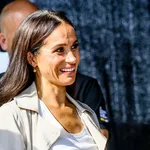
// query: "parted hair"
[[29, 37]]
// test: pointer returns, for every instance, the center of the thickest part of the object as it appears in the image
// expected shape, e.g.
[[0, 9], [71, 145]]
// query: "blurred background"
[[114, 37]]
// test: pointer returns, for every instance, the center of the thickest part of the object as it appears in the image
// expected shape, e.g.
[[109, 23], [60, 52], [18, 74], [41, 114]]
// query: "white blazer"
[[22, 128]]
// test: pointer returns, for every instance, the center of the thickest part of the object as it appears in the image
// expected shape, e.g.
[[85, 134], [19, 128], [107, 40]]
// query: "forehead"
[[62, 32]]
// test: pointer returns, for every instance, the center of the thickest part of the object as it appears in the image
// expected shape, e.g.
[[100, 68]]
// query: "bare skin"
[[67, 117]]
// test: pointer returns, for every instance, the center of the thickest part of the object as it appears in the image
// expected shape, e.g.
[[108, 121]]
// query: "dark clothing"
[[1, 74], [87, 90]]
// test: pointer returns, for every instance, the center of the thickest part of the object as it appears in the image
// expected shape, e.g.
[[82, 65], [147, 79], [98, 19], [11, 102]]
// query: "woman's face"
[[57, 60]]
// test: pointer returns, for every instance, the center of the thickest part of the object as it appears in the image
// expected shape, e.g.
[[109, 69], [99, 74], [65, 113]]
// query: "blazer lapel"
[[99, 139], [44, 134]]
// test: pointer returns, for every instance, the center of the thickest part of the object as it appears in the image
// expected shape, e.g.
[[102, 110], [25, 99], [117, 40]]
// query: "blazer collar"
[[46, 133], [28, 99]]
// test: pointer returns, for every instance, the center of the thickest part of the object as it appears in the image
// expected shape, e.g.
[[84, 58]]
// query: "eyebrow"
[[63, 44]]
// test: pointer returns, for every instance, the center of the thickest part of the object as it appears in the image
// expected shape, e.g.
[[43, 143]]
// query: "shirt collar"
[[28, 99]]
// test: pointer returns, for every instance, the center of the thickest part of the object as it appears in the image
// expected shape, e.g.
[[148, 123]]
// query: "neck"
[[52, 95]]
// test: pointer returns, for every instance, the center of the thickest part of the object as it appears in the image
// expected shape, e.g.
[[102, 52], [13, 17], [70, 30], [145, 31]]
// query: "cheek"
[[49, 65], [44, 63]]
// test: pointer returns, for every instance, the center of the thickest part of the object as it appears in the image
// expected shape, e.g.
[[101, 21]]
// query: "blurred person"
[[38, 110], [85, 89], [4, 59], [11, 16]]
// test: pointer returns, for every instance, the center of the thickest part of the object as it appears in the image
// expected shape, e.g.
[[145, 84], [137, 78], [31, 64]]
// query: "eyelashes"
[[62, 49], [75, 46]]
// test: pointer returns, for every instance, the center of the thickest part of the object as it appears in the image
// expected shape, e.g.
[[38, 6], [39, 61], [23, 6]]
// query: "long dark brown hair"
[[29, 37]]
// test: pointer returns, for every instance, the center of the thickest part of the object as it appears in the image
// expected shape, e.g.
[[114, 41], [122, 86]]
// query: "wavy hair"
[[29, 37]]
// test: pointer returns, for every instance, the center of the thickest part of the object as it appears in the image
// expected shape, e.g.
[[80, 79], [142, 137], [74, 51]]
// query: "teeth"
[[68, 70]]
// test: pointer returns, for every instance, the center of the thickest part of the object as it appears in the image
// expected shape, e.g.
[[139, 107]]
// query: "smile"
[[68, 70]]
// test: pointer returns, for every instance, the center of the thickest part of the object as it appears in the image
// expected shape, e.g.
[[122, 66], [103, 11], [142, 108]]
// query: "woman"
[[41, 115]]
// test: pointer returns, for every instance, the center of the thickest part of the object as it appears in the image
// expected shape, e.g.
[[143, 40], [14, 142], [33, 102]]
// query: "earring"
[[34, 70]]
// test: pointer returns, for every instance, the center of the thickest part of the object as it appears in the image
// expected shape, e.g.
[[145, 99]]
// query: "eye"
[[60, 50], [75, 46]]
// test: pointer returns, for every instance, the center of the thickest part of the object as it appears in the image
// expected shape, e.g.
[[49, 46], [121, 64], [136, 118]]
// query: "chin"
[[69, 82]]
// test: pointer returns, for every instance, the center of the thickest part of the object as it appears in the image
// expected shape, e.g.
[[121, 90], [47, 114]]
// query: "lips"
[[68, 69]]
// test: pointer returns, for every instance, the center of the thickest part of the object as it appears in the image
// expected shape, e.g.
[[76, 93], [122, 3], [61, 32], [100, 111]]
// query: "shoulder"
[[7, 111], [7, 106], [84, 87], [86, 82], [8, 119], [85, 78], [10, 115], [10, 131]]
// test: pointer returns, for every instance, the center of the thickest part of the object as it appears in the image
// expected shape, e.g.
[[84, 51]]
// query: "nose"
[[71, 58]]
